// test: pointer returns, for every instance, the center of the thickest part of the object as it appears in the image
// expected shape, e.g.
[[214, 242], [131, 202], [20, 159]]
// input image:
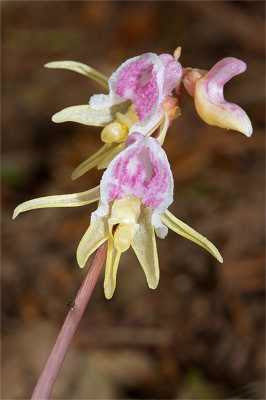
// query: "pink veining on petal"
[[137, 82], [172, 74], [141, 170]]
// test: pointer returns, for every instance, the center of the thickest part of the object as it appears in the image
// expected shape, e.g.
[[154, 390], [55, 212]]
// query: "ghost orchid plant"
[[134, 195], [136, 189]]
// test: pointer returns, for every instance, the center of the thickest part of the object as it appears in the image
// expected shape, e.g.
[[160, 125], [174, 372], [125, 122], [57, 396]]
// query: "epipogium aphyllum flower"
[[207, 88], [134, 195], [141, 98], [144, 96]]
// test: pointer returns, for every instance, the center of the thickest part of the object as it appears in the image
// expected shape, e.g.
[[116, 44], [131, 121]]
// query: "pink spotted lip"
[[141, 170], [137, 82], [145, 80]]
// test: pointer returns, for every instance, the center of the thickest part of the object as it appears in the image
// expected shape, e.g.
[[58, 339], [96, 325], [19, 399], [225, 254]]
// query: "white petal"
[[112, 262], [82, 69], [144, 246], [189, 233], [84, 114], [65, 200], [95, 235]]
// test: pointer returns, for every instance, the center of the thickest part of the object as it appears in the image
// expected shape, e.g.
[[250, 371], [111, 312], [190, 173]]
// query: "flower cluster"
[[136, 188]]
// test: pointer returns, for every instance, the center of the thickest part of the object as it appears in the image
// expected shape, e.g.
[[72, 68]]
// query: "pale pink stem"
[[52, 367]]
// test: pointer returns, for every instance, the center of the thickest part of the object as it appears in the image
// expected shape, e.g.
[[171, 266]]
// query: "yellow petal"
[[221, 116], [65, 200], [189, 233], [82, 69], [95, 235], [163, 129], [112, 262], [85, 115], [92, 161], [144, 246], [105, 161]]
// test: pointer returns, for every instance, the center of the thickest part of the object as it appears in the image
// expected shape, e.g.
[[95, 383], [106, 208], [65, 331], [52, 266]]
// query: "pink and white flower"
[[140, 99], [146, 81], [134, 195]]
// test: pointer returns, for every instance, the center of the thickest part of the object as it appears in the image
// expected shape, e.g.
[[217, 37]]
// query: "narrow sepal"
[[95, 235], [82, 69], [112, 263], [64, 200], [189, 233], [84, 114], [108, 151]]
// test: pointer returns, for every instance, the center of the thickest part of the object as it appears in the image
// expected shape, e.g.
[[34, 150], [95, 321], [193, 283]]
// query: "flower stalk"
[[44, 386]]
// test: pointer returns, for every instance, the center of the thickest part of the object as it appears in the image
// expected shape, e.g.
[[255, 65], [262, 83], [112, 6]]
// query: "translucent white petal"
[[112, 262], [141, 170], [85, 115], [189, 233], [82, 69], [65, 200], [102, 101], [144, 246], [95, 235]]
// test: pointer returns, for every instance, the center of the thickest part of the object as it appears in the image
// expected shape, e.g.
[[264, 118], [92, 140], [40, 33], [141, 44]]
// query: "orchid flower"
[[134, 195], [207, 88], [140, 98]]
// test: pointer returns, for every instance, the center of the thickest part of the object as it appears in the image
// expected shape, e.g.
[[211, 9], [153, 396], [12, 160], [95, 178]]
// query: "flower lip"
[[142, 171], [145, 80]]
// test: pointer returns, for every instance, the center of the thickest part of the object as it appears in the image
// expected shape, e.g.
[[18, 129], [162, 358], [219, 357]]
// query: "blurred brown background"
[[200, 335]]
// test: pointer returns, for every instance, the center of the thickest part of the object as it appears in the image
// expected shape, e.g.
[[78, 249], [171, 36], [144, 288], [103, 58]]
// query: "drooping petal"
[[112, 262], [209, 97], [91, 162], [82, 69], [65, 200], [144, 246], [189, 233], [95, 235], [142, 171], [85, 115]]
